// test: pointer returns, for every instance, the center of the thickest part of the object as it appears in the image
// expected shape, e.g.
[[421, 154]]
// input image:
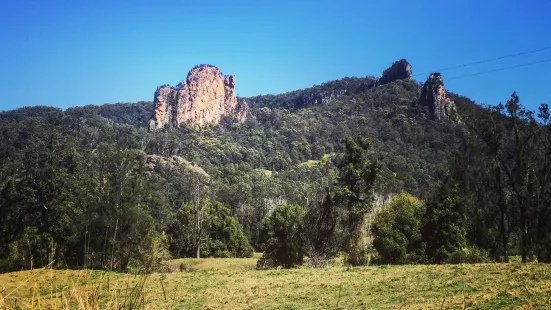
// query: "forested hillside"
[[79, 187]]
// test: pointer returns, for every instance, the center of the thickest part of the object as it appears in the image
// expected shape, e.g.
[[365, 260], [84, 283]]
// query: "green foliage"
[[207, 229], [358, 172], [282, 238], [397, 231], [323, 234], [315, 95], [500, 177], [411, 148], [135, 114], [226, 237], [445, 227], [469, 255], [76, 190], [64, 202], [77, 187]]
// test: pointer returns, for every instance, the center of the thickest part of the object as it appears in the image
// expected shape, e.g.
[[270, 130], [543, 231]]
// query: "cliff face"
[[164, 103], [434, 96], [203, 98]]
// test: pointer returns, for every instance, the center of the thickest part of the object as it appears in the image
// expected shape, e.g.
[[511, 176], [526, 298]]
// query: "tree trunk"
[[523, 239], [503, 230], [199, 249]]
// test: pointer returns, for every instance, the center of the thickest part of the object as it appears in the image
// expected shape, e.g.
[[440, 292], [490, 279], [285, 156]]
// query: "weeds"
[[98, 292]]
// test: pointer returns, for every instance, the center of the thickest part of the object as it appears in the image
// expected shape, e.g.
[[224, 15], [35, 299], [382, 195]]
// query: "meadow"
[[236, 284]]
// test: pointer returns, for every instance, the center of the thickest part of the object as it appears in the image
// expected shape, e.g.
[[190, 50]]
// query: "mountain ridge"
[[318, 94], [278, 154]]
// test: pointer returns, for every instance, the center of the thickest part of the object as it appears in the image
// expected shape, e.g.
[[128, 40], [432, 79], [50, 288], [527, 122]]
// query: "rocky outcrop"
[[400, 70], [241, 110], [203, 98], [174, 161], [434, 96], [164, 103]]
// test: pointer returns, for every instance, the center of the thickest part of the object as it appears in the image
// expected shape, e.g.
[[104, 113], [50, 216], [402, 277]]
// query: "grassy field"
[[235, 284]]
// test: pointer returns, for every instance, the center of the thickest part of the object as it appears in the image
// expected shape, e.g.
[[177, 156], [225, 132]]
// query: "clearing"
[[236, 284]]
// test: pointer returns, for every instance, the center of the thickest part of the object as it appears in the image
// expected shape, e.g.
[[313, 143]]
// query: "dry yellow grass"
[[68, 289], [236, 284]]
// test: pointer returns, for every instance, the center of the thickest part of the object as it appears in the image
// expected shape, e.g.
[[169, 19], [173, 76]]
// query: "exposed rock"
[[173, 161], [162, 115], [434, 96], [203, 98], [400, 70], [241, 110]]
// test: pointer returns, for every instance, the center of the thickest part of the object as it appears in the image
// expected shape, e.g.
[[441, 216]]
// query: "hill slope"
[[93, 162], [409, 143], [285, 130]]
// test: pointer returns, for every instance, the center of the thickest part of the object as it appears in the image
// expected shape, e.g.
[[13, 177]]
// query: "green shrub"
[[356, 255], [445, 226], [282, 238], [227, 236], [469, 255], [397, 231], [220, 235]]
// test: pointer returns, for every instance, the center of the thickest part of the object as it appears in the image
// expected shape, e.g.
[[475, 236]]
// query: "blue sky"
[[69, 53]]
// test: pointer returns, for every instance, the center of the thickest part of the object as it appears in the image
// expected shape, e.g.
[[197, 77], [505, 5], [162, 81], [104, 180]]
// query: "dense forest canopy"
[[77, 187]]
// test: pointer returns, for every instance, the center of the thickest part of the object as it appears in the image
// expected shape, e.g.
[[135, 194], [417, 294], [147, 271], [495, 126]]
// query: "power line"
[[487, 60], [500, 69]]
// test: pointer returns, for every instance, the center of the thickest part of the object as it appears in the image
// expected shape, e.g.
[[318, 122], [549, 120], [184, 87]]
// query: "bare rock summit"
[[400, 70], [435, 97], [203, 98]]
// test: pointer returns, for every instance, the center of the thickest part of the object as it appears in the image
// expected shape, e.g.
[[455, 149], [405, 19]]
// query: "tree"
[[322, 236], [445, 224], [282, 238], [225, 235], [117, 227], [39, 195], [482, 187], [190, 230], [207, 230], [519, 146], [358, 172], [397, 231]]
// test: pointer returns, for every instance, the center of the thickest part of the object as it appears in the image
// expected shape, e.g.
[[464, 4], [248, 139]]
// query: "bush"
[[397, 231], [469, 255], [282, 238], [445, 226], [356, 255], [221, 234], [227, 236], [323, 239]]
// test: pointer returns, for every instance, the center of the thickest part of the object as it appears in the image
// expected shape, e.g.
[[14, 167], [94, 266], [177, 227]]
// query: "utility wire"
[[500, 69], [487, 60]]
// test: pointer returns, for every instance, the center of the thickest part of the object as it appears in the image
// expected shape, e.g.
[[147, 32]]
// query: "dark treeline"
[[78, 189], [493, 202]]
